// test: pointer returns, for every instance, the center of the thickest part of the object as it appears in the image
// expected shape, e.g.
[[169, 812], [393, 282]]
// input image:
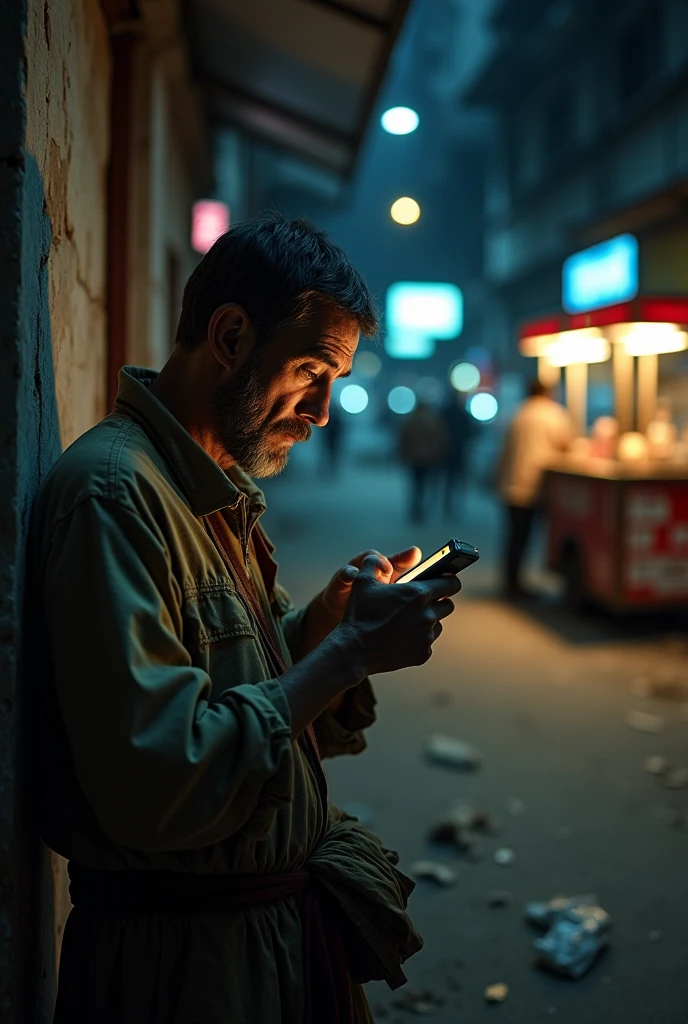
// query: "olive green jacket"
[[166, 734]]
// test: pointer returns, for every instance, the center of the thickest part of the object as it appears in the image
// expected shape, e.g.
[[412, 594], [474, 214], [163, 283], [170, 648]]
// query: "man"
[[186, 703], [460, 429], [539, 432], [422, 447]]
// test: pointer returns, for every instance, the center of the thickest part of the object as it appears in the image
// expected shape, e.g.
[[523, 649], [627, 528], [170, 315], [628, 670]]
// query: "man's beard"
[[240, 415]]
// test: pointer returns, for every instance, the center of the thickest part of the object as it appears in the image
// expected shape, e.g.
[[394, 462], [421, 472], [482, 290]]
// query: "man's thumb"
[[348, 573]]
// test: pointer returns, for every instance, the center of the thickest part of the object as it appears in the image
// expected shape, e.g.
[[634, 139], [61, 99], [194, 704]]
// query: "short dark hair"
[[278, 270]]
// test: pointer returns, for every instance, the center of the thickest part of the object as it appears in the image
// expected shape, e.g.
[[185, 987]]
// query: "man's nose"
[[316, 407]]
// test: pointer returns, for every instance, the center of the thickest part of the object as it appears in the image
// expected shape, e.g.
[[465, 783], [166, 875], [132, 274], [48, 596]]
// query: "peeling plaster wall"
[[54, 91], [68, 103]]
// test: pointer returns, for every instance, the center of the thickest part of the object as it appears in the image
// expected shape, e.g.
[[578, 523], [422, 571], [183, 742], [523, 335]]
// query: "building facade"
[[592, 142]]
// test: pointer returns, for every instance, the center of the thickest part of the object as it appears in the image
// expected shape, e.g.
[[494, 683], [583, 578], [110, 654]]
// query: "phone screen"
[[412, 573]]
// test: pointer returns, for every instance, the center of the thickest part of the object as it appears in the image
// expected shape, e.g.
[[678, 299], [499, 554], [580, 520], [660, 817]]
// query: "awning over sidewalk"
[[301, 74]]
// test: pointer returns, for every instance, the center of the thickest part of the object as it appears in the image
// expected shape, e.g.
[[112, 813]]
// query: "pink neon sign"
[[209, 220]]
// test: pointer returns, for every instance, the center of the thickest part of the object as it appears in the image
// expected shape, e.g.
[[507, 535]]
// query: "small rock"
[[654, 936], [655, 764], [448, 833], [504, 857], [453, 753], [676, 778], [641, 721], [499, 898], [496, 993], [434, 872], [515, 806]]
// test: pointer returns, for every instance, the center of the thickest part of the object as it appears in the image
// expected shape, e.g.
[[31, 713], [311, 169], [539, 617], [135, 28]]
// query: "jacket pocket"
[[213, 612]]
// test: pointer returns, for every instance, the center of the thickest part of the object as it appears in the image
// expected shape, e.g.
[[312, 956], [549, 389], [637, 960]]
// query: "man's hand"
[[327, 608], [394, 627], [387, 570]]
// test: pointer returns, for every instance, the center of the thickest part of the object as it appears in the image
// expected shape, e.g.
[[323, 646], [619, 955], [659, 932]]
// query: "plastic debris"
[[434, 871], [504, 857], [641, 721], [453, 753], [578, 932], [655, 764], [544, 913], [420, 1001], [499, 898], [496, 993], [515, 806], [676, 778]]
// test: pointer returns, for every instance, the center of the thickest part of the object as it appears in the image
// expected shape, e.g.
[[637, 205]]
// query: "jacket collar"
[[207, 486]]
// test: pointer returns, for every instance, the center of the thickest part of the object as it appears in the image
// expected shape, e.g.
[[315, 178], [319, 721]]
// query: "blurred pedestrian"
[[459, 425], [333, 435], [540, 431], [422, 448]]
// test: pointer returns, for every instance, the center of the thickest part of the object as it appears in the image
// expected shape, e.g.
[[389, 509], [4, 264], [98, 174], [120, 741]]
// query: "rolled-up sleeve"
[[162, 766]]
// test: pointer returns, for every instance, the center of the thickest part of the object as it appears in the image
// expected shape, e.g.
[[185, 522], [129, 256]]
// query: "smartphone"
[[452, 558]]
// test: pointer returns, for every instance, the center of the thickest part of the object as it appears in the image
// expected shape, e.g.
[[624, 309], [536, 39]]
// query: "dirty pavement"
[[580, 733]]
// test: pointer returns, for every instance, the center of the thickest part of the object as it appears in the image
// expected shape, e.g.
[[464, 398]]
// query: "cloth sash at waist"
[[327, 981]]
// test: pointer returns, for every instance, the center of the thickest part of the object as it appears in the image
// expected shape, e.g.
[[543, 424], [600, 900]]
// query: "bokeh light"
[[367, 364], [405, 210], [400, 120], [353, 398], [401, 400], [465, 377], [483, 406]]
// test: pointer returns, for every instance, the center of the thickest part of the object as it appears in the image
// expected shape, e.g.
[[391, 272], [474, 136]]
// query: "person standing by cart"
[[540, 431]]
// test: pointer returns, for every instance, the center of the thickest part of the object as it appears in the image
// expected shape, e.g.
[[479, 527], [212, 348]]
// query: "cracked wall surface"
[[54, 92], [68, 119]]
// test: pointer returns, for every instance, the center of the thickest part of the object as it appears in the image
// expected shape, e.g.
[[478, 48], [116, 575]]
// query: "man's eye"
[[310, 374]]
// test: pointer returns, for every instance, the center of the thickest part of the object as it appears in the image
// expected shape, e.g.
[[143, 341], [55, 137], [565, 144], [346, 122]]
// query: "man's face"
[[282, 390]]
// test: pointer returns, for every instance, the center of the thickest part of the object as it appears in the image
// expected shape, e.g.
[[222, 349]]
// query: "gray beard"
[[239, 410]]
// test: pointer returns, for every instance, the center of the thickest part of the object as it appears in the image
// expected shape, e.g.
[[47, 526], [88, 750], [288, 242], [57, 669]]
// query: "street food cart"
[[618, 520]]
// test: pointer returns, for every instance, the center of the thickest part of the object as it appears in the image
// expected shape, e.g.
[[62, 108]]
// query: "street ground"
[[544, 697]]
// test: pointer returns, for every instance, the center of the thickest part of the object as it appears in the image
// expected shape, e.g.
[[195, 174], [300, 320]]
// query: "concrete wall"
[[54, 84], [68, 99]]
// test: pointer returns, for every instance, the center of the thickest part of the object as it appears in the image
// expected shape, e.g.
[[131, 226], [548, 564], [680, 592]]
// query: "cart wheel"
[[575, 588]]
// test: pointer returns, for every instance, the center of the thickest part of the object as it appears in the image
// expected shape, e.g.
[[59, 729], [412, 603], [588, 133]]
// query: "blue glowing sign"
[[601, 276], [420, 313]]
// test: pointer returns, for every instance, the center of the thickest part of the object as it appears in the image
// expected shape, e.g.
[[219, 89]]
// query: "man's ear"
[[231, 335]]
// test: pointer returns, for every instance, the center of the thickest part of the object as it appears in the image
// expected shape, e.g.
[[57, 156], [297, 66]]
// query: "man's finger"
[[443, 586], [385, 566], [370, 566], [443, 608], [404, 560]]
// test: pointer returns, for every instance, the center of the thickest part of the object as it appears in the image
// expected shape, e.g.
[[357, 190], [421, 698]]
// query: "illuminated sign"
[[418, 314], [209, 220], [601, 276]]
